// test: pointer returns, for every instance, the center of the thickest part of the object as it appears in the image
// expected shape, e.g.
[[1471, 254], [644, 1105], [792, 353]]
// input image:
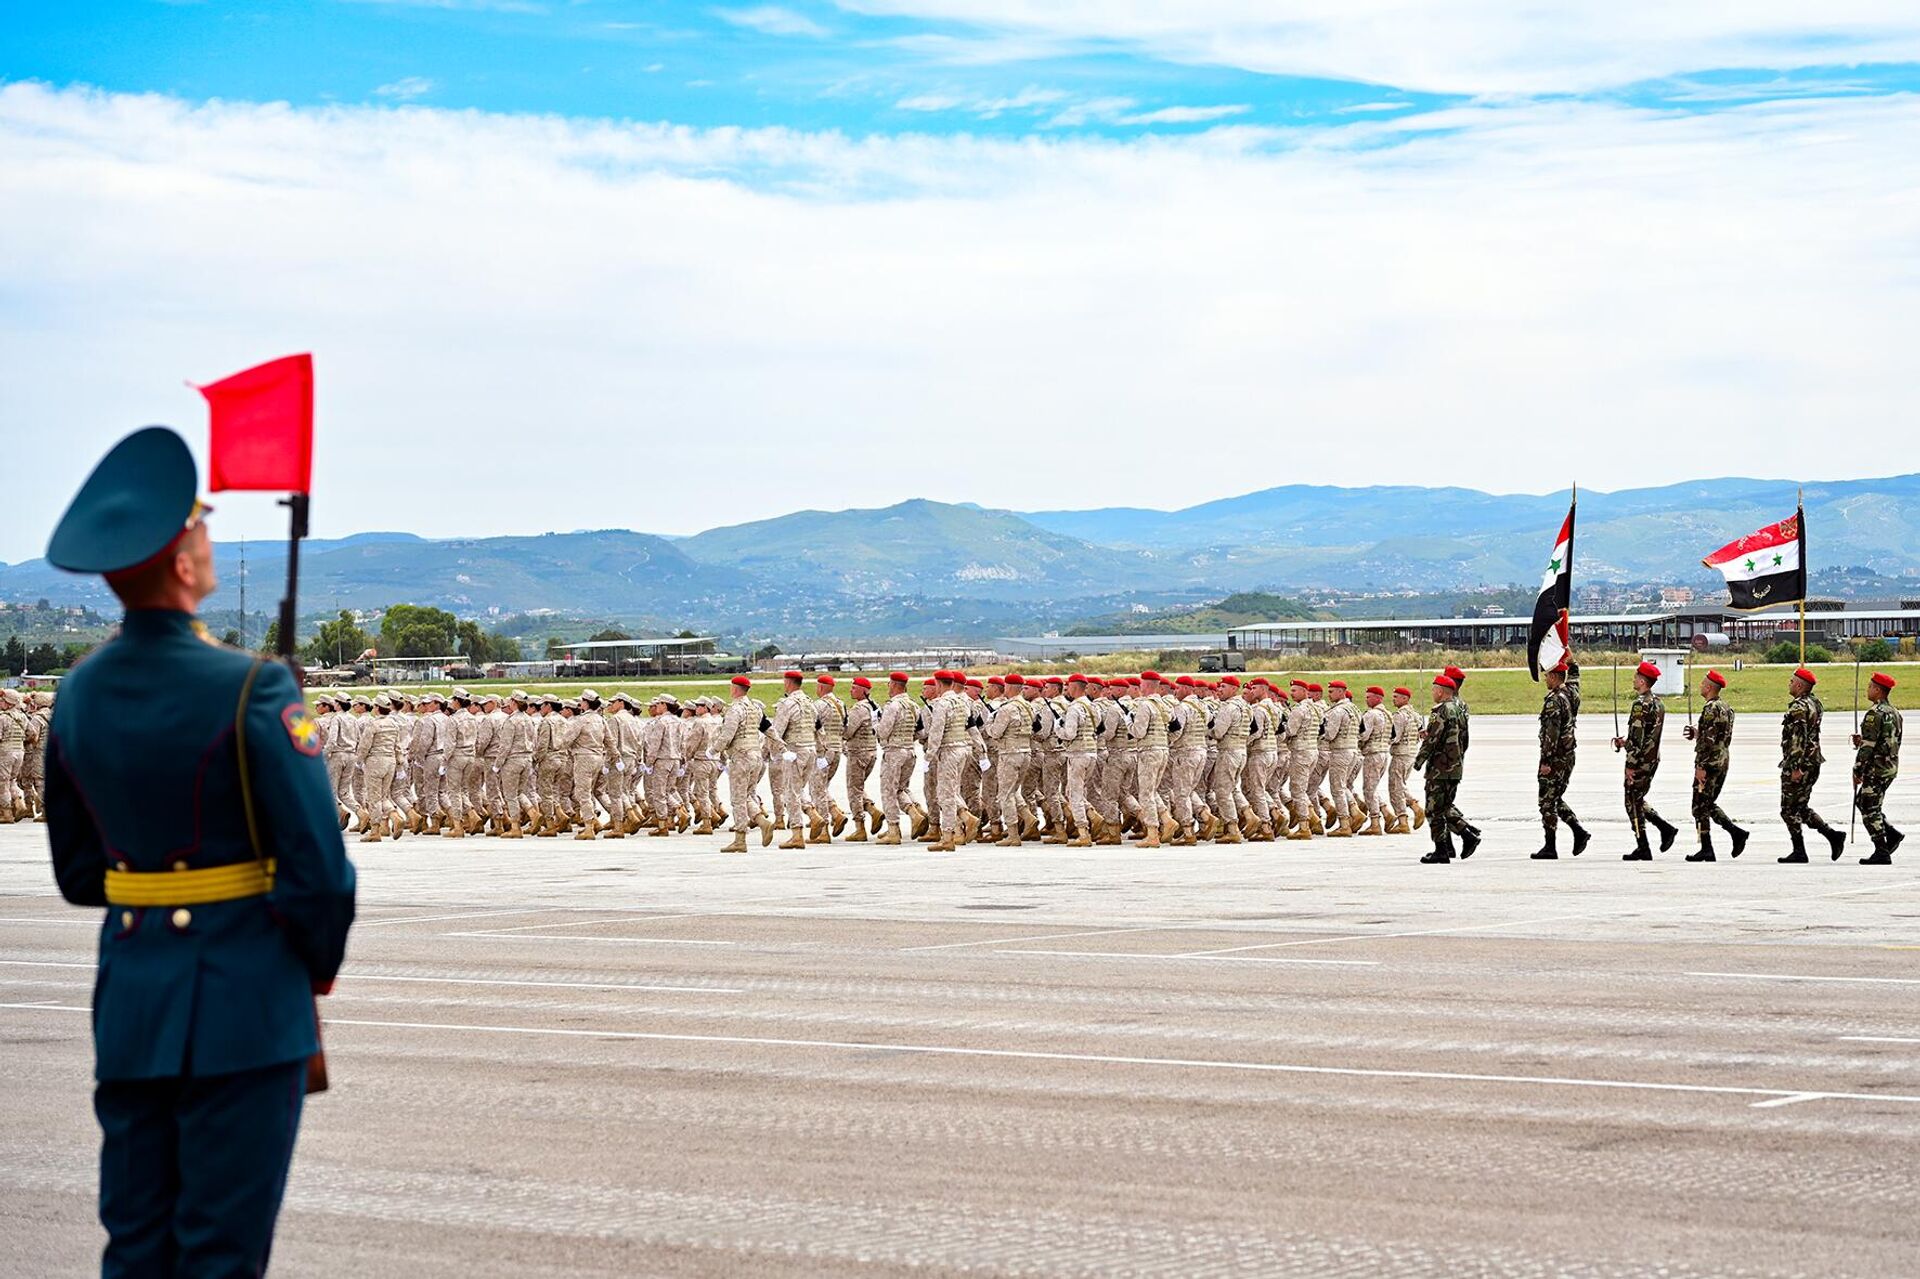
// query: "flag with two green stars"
[[1767, 567], [1548, 640]]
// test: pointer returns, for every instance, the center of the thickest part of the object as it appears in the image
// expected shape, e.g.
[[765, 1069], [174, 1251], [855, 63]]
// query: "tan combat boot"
[[1184, 837], [766, 830], [838, 814], [1168, 829], [1300, 832], [969, 826], [1419, 814], [588, 830], [738, 844], [1153, 837], [890, 835], [369, 833], [1231, 835], [859, 835], [796, 839], [1009, 840]]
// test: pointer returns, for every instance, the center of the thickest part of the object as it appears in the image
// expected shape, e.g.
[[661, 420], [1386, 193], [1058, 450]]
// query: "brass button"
[[119, 865], [126, 919], [179, 865], [182, 917]]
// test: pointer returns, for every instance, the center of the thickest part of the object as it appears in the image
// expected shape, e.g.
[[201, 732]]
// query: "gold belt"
[[190, 887]]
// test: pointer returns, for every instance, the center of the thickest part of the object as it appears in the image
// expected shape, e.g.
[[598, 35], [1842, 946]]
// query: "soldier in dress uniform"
[[1558, 745], [1876, 762], [1800, 760], [1646, 723], [1712, 741], [186, 798]]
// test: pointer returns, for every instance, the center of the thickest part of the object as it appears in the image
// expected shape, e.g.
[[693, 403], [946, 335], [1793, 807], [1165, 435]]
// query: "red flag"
[[263, 427]]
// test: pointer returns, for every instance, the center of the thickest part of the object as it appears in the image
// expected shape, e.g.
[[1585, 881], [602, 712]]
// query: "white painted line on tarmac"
[[1224, 959], [1785, 1095], [1008, 941], [1878, 981], [1878, 1039], [44, 963], [1554, 919], [47, 1006], [476, 914], [1792, 1099], [601, 941], [350, 979], [54, 920]]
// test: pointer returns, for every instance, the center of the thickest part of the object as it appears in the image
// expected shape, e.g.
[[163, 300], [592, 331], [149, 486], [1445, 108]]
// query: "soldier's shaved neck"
[[177, 580]]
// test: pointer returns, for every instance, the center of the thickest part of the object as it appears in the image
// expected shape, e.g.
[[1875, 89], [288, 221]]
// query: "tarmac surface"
[[643, 1057]]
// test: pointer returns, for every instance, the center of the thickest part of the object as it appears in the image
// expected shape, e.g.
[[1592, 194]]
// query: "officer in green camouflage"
[[1443, 753], [1559, 712], [1645, 724], [1876, 763], [1800, 760], [1712, 739]]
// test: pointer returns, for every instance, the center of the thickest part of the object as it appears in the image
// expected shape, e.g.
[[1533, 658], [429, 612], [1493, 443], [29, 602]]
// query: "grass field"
[[1489, 692]]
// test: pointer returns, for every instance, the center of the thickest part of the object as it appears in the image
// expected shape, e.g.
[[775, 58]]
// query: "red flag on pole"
[[263, 427]]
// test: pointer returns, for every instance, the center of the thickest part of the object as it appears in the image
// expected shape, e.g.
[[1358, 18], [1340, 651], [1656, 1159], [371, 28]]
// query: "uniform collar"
[[157, 621]]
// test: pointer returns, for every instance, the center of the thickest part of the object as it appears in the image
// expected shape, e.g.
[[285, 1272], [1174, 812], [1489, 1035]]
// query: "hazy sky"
[[556, 260]]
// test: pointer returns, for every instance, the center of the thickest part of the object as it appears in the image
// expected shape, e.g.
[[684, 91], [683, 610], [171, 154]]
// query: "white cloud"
[[772, 20], [1413, 299], [1029, 99], [1186, 115], [1473, 46], [405, 89]]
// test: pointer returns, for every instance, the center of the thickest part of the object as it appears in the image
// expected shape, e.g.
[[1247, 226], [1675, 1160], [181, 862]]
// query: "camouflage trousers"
[[1873, 800], [790, 783], [826, 762], [1443, 812], [1079, 766], [1110, 788], [1183, 769], [1150, 767], [1796, 798], [1277, 779], [455, 786], [340, 774], [1373, 770], [954, 763], [1010, 770], [1342, 765], [1553, 795], [1227, 767], [1301, 782], [859, 767], [743, 778], [586, 782], [702, 775], [1706, 800], [1639, 811], [1254, 783], [1398, 801], [896, 773]]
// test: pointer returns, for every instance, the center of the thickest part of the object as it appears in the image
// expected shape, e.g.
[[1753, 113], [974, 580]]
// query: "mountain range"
[[937, 570]]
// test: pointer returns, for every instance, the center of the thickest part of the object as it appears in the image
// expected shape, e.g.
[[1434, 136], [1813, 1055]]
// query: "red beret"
[[1717, 678], [1376, 690], [972, 683], [995, 679], [945, 677], [1076, 678], [1185, 681], [825, 679], [1133, 681], [927, 683], [1152, 675], [793, 675], [1315, 688], [1053, 679], [1647, 670], [1336, 683], [861, 681], [1445, 681], [741, 681], [1231, 681], [1014, 680], [1404, 692], [1297, 682], [1805, 674], [898, 677], [1455, 674], [1883, 680], [1096, 682], [958, 676]]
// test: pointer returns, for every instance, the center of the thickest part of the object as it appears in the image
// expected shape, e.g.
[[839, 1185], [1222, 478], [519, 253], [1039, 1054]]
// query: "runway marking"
[[1792, 1099], [48, 1006], [1878, 1039], [477, 914], [44, 963], [602, 941], [1884, 981], [1008, 941], [1224, 959], [1784, 1096], [55, 920], [1548, 919], [351, 978]]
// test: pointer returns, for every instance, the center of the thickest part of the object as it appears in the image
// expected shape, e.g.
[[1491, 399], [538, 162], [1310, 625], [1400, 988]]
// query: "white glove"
[[820, 764], [986, 765], [646, 770], [443, 770], [603, 770], [680, 771], [788, 757], [496, 770], [620, 766]]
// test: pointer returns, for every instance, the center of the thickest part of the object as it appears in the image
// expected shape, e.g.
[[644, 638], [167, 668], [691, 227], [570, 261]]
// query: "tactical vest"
[[1155, 738], [1236, 738], [1083, 742], [954, 716], [831, 721], [1017, 737], [1379, 741], [799, 730], [744, 735], [1347, 738], [905, 725]]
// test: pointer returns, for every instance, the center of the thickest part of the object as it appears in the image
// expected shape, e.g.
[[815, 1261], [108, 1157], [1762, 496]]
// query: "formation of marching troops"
[[23, 732], [1876, 764], [1076, 760]]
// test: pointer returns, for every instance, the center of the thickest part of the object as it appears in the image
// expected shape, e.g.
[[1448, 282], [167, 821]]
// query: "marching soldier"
[[553, 768], [1876, 762], [830, 734], [1376, 745], [1051, 750], [1147, 726], [1230, 731], [33, 771], [791, 737], [1303, 746], [1646, 722], [379, 757], [1340, 746], [463, 739], [1800, 760], [1011, 733], [586, 743], [1408, 816], [1558, 744], [701, 765], [899, 723], [952, 752], [1077, 733], [1187, 760], [1443, 755], [427, 761], [1712, 740], [1263, 754], [14, 729], [858, 748], [187, 800], [740, 743]]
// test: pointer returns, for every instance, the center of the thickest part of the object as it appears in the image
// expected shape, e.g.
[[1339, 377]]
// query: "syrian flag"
[[1547, 640], [1767, 567]]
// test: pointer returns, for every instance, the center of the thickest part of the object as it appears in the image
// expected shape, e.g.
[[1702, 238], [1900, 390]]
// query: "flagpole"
[[296, 504], [1806, 577]]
